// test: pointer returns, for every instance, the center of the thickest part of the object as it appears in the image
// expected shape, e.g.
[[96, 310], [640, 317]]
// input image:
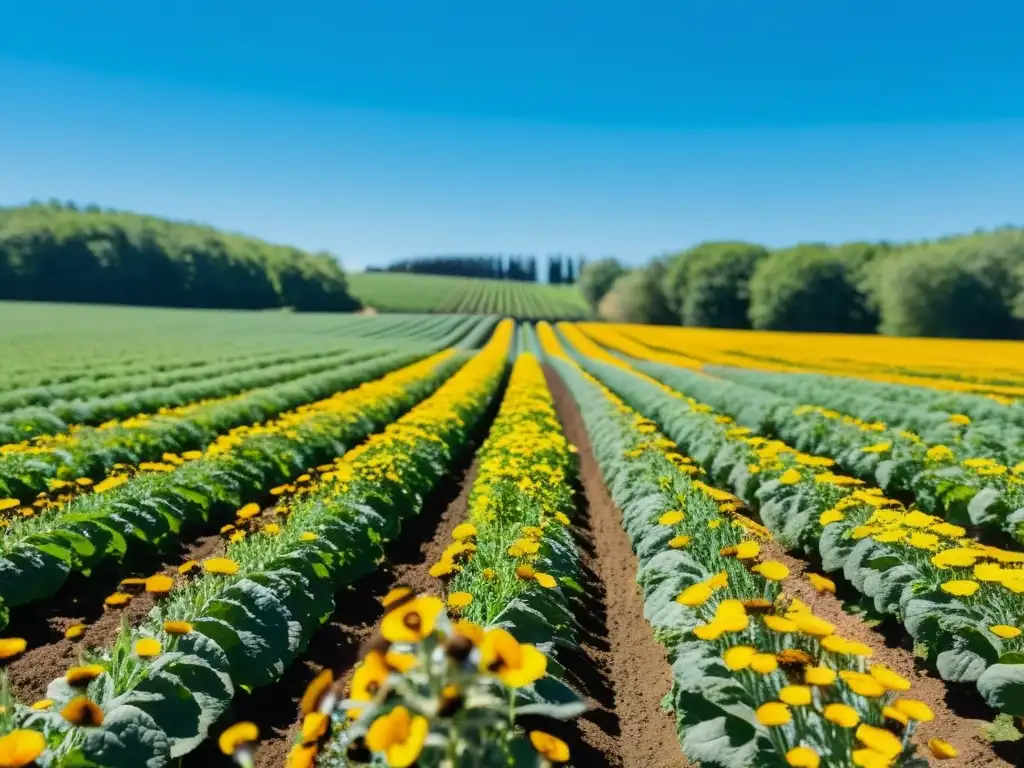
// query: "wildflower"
[[821, 583], [842, 715], [400, 662], [941, 749], [314, 726], [464, 531], [221, 565], [6, 504], [961, 587], [747, 550], [399, 735], [551, 747], [772, 570], [117, 599], [412, 621], [810, 624], [1004, 631], [237, 737], [545, 580], [159, 584], [307, 536], [820, 676], [780, 624], [803, 757], [74, 632], [186, 568], [271, 529], [888, 678], [914, 709], [830, 516], [793, 658], [773, 713], [880, 740], [525, 572], [863, 685], [459, 600], [695, 595], [517, 665], [236, 537], [678, 542], [795, 695], [12, 646], [790, 477], [764, 663], [82, 711], [489, 573], [891, 713], [147, 647], [248, 511], [301, 756], [671, 517], [315, 690], [177, 627], [82, 675], [21, 747], [42, 705], [739, 657]]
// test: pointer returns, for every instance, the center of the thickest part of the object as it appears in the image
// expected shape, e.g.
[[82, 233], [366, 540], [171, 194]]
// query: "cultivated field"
[[450, 540], [400, 292]]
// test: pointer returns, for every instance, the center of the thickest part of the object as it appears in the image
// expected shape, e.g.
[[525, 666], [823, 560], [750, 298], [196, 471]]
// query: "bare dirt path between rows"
[[627, 726]]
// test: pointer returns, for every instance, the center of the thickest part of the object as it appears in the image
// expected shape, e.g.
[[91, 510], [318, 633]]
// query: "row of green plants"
[[509, 579], [758, 678], [178, 399], [131, 512], [240, 618], [963, 479], [920, 409], [29, 468], [960, 600]]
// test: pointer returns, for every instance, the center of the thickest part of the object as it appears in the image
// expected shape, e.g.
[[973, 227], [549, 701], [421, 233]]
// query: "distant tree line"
[[561, 269], [968, 286], [57, 252]]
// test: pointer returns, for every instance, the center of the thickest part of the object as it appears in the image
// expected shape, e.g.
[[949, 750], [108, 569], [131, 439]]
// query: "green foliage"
[[58, 253], [596, 279], [970, 287], [807, 288], [396, 292], [708, 284], [637, 297]]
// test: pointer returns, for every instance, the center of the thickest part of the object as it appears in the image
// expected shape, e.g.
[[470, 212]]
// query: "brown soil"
[[629, 674], [50, 654], [358, 612], [963, 732]]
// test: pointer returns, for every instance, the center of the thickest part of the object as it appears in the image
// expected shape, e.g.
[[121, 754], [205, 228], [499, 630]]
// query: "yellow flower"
[[82, 711], [877, 447], [914, 709], [810, 624], [489, 573], [551, 747], [82, 675], [671, 518], [410, 622], [764, 663], [869, 758], [117, 599], [237, 736], [464, 531], [747, 550], [961, 587], [678, 542], [188, 567], [954, 558], [459, 600], [222, 565], [879, 739], [316, 689], [525, 572], [780, 624], [941, 749], [147, 647], [12, 646], [42, 705], [1004, 631], [842, 715], [6, 504], [771, 570], [159, 584], [307, 536], [773, 713], [795, 695], [863, 685], [695, 595], [400, 735], [74, 632], [803, 757], [516, 665], [790, 477], [821, 583], [21, 747], [819, 676], [248, 511], [545, 580], [888, 678], [830, 516], [739, 657], [177, 627], [314, 725], [959, 418], [894, 714]]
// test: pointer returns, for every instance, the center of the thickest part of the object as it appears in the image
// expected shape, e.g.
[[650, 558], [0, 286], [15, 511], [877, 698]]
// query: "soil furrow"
[[627, 726], [964, 733]]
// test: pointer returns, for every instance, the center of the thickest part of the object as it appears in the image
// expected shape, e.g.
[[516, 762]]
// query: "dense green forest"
[[561, 269], [58, 252], [969, 286]]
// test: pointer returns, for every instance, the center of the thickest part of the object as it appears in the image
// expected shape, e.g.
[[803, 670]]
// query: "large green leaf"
[[1002, 687]]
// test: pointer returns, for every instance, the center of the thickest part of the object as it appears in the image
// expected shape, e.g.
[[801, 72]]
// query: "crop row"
[[758, 679], [29, 468], [507, 576], [240, 618], [959, 599], [962, 478]]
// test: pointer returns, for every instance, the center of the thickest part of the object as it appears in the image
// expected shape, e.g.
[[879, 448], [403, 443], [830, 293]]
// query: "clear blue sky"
[[385, 128]]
